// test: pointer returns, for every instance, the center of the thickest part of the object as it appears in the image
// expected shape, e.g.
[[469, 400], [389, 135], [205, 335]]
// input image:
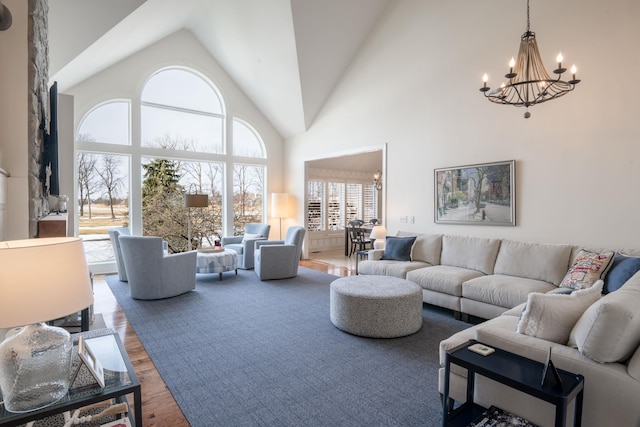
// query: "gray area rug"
[[240, 352]]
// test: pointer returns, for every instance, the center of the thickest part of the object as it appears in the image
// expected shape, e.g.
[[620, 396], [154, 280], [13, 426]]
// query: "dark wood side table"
[[514, 371]]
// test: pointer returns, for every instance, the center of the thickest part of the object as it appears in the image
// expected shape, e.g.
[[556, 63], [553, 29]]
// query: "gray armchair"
[[151, 273], [244, 245], [278, 259], [114, 234]]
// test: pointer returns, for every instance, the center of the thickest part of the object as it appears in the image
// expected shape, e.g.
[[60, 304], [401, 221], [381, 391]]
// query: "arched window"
[[183, 147]]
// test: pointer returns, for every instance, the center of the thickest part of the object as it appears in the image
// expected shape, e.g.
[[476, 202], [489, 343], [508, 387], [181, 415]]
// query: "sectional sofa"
[[519, 287]]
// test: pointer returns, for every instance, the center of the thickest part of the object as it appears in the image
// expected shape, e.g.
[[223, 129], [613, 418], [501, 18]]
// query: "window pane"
[[183, 89], [314, 206], [103, 201], [164, 183], [335, 206], [175, 129], [370, 202], [246, 142], [248, 189], [354, 202], [107, 123]]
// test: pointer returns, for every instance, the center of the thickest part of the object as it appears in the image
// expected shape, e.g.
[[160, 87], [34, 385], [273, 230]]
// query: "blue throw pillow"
[[622, 269], [398, 248]]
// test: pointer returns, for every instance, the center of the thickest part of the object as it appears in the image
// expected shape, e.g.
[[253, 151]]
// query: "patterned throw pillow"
[[588, 268]]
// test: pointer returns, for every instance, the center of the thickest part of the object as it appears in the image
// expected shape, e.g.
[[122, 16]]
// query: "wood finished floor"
[[159, 409]]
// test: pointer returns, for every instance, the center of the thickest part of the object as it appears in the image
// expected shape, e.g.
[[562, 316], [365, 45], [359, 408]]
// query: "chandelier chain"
[[528, 22]]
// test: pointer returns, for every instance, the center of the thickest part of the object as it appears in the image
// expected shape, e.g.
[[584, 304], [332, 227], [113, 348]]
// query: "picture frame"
[[90, 361], [479, 194]]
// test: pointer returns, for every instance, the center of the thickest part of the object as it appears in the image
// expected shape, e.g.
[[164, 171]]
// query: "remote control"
[[481, 349]]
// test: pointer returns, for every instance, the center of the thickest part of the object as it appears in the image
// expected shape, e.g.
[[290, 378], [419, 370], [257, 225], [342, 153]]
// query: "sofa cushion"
[[547, 262], [248, 237], [475, 253], [398, 248], [609, 330], [427, 247], [552, 317], [442, 278], [389, 268], [587, 268], [622, 268], [503, 291]]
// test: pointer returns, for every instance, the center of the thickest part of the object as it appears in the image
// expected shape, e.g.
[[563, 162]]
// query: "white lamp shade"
[[378, 232], [42, 280], [280, 205]]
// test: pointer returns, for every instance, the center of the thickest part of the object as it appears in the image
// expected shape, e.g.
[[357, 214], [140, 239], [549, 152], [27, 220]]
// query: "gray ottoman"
[[376, 306]]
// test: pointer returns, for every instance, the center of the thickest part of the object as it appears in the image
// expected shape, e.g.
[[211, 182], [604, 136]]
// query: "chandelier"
[[528, 81], [377, 180]]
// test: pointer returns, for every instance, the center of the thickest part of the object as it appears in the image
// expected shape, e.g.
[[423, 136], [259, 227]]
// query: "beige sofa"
[[476, 276], [603, 347], [500, 280]]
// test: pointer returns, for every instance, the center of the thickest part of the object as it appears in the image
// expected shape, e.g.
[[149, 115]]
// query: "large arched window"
[[180, 144]]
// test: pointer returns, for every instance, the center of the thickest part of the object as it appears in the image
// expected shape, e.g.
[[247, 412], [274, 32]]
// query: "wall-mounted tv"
[[49, 174]]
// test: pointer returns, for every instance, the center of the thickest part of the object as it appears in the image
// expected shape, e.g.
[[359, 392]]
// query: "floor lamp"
[[280, 207], [194, 201]]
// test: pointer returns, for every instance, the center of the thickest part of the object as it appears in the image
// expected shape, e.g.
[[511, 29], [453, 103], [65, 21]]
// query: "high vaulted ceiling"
[[286, 55]]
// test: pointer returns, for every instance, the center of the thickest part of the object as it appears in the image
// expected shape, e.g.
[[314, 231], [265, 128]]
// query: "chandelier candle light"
[[377, 180], [528, 81]]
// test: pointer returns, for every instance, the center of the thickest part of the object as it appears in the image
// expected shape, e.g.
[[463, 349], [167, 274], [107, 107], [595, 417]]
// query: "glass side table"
[[120, 380]]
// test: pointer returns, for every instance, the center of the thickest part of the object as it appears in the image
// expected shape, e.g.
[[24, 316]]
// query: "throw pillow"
[[551, 317], [622, 268], [251, 237], [587, 269], [609, 330], [398, 248]]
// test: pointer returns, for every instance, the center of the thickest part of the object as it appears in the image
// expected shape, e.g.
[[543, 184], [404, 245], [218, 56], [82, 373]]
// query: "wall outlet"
[[403, 219]]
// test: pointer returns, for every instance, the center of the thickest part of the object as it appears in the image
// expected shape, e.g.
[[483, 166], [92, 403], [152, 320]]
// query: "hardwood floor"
[[159, 409]]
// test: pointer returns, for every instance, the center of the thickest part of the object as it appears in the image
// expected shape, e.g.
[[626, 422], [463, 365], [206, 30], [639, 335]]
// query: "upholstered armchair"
[[114, 234], [152, 274], [244, 245], [278, 259]]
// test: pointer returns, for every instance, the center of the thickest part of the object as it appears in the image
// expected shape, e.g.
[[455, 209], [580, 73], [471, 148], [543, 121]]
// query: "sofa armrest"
[[231, 240], [260, 243], [375, 254]]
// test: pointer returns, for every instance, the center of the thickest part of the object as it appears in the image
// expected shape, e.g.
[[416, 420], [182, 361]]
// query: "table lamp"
[[379, 234], [40, 280]]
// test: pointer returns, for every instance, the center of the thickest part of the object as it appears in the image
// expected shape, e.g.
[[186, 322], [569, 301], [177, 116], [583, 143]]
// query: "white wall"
[[14, 90], [126, 79], [415, 85]]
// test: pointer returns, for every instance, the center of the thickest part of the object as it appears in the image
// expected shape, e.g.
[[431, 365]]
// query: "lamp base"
[[379, 243], [34, 367]]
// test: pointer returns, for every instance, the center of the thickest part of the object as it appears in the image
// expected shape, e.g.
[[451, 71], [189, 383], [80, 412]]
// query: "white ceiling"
[[286, 55]]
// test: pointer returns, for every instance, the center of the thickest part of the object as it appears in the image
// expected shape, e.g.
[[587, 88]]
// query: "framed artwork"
[[91, 362], [482, 194]]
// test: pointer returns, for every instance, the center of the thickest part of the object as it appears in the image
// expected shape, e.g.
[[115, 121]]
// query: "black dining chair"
[[359, 240]]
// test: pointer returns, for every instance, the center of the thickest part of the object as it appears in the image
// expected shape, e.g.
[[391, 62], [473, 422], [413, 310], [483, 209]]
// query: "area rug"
[[241, 352]]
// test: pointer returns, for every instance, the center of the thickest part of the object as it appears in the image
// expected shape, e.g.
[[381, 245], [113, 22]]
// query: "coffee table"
[[217, 262]]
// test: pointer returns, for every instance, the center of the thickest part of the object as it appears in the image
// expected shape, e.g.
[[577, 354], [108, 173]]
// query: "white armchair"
[[244, 245], [151, 273], [279, 259]]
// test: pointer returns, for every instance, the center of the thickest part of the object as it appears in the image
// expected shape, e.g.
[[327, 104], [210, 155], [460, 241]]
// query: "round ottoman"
[[376, 306]]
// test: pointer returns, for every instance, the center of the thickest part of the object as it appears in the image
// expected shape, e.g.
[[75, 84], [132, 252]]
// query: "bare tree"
[[110, 176]]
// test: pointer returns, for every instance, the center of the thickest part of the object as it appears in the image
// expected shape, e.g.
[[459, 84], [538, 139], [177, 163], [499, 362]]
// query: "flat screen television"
[[50, 169]]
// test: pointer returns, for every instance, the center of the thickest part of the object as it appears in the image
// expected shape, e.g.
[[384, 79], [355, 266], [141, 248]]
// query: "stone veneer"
[[38, 104]]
